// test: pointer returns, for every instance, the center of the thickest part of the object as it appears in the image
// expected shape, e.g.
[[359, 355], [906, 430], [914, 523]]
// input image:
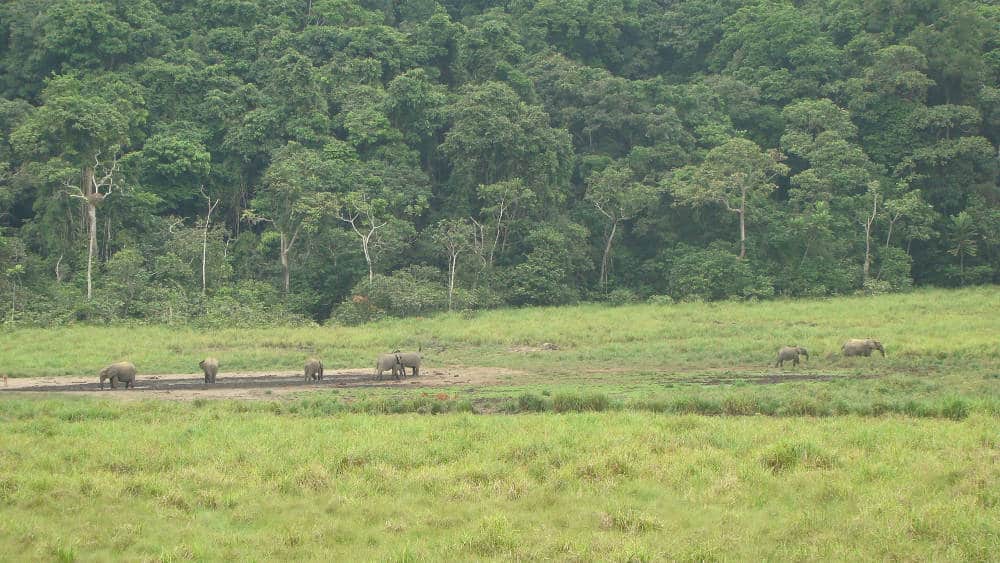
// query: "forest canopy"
[[254, 162]]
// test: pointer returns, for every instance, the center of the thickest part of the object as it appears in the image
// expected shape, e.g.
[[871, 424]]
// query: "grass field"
[[856, 458], [174, 481]]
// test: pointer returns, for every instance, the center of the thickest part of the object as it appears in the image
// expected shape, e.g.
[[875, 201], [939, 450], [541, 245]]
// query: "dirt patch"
[[255, 385]]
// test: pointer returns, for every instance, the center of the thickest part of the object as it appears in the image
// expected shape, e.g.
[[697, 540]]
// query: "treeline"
[[244, 161]]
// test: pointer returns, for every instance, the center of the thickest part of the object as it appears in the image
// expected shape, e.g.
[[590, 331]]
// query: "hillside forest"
[[248, 162]]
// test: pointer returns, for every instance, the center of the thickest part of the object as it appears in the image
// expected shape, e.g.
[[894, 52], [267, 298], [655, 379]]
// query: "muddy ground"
[[269, 385], [259, 385]]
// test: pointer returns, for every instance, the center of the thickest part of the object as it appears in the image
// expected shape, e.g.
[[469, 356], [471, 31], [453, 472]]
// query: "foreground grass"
[[87, 479]]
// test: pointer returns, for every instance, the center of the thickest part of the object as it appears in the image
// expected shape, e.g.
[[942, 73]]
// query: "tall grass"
[[84, 479]]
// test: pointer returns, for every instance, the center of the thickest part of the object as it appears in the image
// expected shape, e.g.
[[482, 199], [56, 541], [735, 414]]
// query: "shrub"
[[621, 296], [529, 402], [785, 456], [714, 273], [571, 402], [955, 409]]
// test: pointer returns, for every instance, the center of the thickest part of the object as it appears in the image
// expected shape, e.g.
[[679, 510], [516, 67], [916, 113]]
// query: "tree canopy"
[[348, 159]]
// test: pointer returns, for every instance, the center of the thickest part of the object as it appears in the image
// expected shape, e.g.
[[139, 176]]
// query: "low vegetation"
[[640, 432], [941, 331], [220, 480]]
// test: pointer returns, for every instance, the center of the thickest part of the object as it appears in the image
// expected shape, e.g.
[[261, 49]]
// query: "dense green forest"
[[249, 161]]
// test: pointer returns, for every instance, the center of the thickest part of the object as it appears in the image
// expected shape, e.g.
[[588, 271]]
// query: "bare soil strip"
[[258, 385]]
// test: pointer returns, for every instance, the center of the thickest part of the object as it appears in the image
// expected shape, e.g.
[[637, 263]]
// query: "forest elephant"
[[862, 347], [314, 369], [211, 368], [387, 362], [120, 372], [408, 360], [791, 353]]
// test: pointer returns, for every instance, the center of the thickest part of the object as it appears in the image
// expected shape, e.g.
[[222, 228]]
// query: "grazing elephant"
[[121, 372], [408, 360], [314, 369], [791, 353], [211, 368], [862, 347], [388, 362]]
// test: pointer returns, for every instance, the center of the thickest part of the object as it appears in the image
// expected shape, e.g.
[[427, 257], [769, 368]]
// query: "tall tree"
[[733, 175], [452, 236], [618, 197], [295, 174], [85, 121]]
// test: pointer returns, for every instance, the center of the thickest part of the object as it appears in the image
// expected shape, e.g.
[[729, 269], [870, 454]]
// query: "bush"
[[785, 456], [894, 269], [621, 296], [955, 409], [571, 402], [714, 273], [414, 291]]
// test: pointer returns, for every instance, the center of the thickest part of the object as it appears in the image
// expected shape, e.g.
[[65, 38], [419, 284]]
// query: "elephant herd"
[[853, 347], [396, 362]]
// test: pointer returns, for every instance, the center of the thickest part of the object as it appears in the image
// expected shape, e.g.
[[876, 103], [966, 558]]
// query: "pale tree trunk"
[[88, 193], [284, 250], [743, 224], [368, 258], [352, 218], [868, 238], [286, 276], [204, 241], [92, 195], [452, 267], [607, 255]]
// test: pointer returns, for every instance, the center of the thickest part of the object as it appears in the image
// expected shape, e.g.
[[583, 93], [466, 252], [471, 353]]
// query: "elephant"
[[388, 362], [408, 360], [314, 369], [862, 347], [791, 353], [211, 368], [120, 372]]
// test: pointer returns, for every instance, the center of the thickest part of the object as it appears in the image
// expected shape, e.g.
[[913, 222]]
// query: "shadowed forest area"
[[249, 162]]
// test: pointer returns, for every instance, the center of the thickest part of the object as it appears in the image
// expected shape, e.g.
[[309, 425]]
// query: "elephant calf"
[[862, 347], [314, 369], [791, 353], [387, 362], [211, 368], [120, 372], [409, 360]]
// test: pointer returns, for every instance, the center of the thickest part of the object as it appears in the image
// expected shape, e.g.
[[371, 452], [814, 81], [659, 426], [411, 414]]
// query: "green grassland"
[[924, 330], [91, 480], [598, 450], [691, 357]]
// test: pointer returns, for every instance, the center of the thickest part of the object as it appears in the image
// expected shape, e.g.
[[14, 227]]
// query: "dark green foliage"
[[595, 151], [712, 273]]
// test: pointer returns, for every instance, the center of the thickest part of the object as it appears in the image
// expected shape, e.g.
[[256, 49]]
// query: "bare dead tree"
[[98, 182], [869, 223], [362, 215], [209, 207]]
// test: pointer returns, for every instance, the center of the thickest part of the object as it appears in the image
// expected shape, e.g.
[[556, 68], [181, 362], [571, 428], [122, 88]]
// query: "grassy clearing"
[[88, 479], [924, 330]]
